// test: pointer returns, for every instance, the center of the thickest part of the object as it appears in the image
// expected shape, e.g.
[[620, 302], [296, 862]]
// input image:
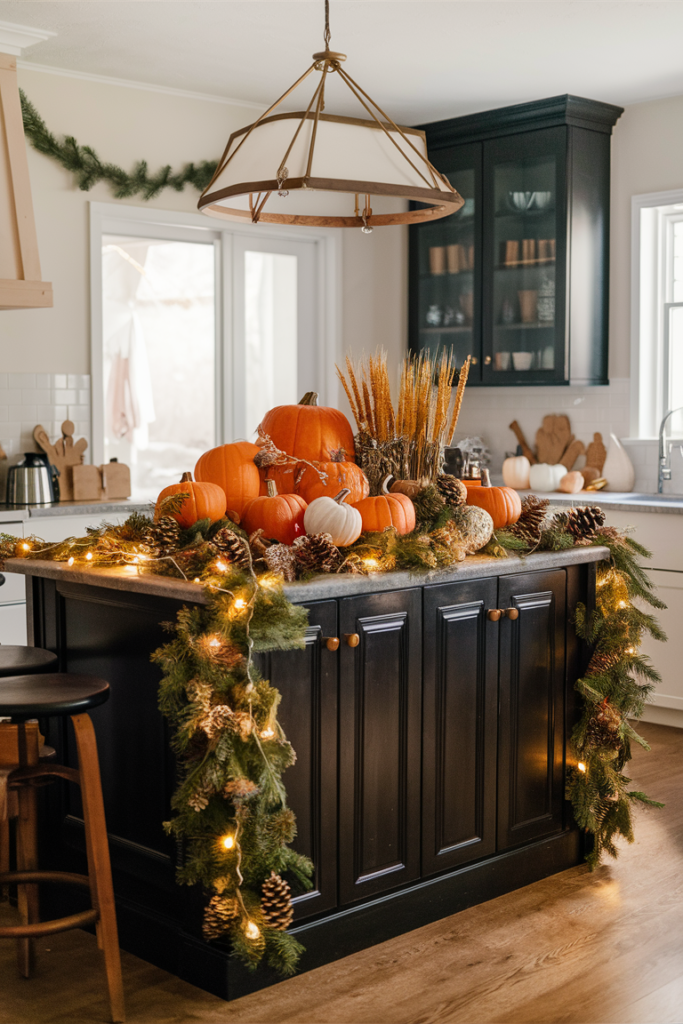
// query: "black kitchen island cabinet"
[[431, 747]]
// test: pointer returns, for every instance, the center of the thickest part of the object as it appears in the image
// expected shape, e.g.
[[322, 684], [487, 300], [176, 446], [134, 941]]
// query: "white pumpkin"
[[332, 515], [516, 472], [544, 477], [571, 483]]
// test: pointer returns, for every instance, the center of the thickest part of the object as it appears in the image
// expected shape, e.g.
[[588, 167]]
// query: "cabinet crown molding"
[[15, 38]]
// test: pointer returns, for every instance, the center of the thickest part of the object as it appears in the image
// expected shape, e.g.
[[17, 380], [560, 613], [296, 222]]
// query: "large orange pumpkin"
[[280, 516], [232, 467], [284, 478], [387, 510], [340, 476], [503, 504], [203, 501], [308, 430]]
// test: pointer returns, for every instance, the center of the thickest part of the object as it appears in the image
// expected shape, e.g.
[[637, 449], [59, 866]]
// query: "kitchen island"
[[430, 715]]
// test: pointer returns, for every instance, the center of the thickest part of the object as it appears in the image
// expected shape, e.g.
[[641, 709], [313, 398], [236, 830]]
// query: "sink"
[[647, 499]]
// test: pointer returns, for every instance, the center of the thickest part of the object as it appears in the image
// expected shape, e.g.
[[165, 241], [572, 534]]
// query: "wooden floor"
[[605, 948]]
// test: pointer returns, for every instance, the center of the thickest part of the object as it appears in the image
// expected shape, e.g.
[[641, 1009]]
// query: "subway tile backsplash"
[[27, 399]]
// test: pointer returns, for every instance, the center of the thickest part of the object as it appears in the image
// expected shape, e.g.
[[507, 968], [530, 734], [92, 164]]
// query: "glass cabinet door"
[[445, 270], [525, 234]]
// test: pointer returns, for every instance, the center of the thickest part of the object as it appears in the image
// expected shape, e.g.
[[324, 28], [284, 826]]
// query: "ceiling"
[[420, 59]]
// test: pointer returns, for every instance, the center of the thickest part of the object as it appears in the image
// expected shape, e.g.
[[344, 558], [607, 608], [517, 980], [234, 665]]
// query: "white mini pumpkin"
[[332, 515], [545, 477], [516, 472]]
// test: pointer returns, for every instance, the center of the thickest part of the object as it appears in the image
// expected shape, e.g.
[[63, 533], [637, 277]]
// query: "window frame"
[[119, 218], [651, 271]]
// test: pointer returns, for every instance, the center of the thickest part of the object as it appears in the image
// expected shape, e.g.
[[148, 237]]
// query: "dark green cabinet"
[[518, 277]]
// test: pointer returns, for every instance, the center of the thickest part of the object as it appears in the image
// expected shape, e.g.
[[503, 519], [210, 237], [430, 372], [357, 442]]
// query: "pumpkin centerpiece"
[[332, 515], [232, 467], [308, 431], [327, 479], [280, 516], [387, 509], [502, 503], [204, 501]]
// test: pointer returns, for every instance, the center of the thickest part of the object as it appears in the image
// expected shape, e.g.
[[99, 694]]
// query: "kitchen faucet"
[[664, 472]]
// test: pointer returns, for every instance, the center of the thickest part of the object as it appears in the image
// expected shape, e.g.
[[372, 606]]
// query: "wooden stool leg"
[[99, 865]]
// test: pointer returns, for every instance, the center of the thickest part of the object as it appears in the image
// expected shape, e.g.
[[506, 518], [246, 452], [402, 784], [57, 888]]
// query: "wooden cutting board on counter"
[[64, 454], [97, 483], [553, 438]]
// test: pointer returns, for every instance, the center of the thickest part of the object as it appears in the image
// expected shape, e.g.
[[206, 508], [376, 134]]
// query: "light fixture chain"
[[327, 24]]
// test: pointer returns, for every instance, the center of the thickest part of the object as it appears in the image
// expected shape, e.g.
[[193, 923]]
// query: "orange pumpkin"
[[284, 478], [385, 510], [503, 504], [340, 476], [232, 467], [280, 516], [203, 501], [308, 430]]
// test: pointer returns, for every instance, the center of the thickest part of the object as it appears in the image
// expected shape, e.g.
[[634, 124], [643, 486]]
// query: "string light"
[[239, 604], [196, 580], [370, 563], [70, 561], [25, 546], [630, 650], [252, 931], [88, 557], [268, 581], [136, 560], [228, 842], [214, 642], [622, 604], [581, 766], [267, 734], [221, 566]]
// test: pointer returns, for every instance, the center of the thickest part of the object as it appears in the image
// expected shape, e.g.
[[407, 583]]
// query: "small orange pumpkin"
[[345, 476], [280, 516], [503, 504], [283, 476], [385, 510], [203, 501], [232, 467], [309, 431]]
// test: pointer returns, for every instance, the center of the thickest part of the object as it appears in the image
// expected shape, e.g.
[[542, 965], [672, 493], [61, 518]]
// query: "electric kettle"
[[30, 481]]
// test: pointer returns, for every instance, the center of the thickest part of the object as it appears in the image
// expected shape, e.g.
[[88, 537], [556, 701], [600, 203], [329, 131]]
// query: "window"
[[198, 331], [657, 315]]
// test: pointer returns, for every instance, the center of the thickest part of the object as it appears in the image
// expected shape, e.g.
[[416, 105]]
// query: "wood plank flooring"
[[580, 948]]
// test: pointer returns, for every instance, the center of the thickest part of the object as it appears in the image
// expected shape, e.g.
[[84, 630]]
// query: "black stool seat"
[[53, 693], [16, 661]]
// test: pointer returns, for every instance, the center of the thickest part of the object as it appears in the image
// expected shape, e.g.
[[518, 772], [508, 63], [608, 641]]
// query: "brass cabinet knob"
[[487, 361], [331, 642], [494, 614], [352, 639], [512, 613], [474, 360]]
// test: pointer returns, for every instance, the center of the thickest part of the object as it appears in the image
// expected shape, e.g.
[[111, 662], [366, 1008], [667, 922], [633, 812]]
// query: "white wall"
[[125, 125]]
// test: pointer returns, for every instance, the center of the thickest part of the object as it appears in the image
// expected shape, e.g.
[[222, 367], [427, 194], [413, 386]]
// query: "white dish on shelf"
[[522, 360]]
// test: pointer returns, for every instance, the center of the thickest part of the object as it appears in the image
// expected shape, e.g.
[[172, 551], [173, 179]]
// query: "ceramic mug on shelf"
[[454, 259], [501, 361], [522, 360], [437, 260], [528, 305]]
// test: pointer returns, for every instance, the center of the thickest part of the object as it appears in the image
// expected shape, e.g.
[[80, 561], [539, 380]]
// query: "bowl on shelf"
[[519, 201], [522, 360], [539, 200]]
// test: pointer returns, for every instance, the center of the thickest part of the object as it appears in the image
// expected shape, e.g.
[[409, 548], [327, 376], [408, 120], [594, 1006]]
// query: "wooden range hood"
[[21, 286]]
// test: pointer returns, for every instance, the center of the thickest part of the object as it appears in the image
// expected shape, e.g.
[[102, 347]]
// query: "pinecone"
[[281, 560], [163, 534], [199, 800], [316, 553], [452, 490], [582, 521], [601, 661], [233, 548], [276, 903], [528, 526], [603, 728], [219, 915], [428, 504]]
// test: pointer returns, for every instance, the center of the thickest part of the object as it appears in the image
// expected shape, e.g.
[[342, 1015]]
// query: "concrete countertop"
[[70, 508], [320, 588], [620, 501]]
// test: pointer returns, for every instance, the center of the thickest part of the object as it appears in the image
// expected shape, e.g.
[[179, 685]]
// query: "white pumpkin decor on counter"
[[618, 469], [332, 515], [516, 472], [545, 477], [571, 483]]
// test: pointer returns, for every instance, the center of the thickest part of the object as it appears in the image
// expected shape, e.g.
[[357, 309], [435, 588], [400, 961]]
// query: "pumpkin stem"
[[339, 498], [384, 486], [310, 398], [186, 478], [485, 477], [272, 488]]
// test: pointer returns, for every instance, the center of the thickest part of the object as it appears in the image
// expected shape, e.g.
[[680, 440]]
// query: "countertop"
[[16, 514], [320, 588], [620, 501]]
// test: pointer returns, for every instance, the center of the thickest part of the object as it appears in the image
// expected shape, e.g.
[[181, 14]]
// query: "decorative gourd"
[[385, 510], [309, 431], [503, 504], [231, 466], [475, 527], [571, 483], [409, 487], [340, 475], [280, 516], [332, 515], [546, 477], [203, 501], [516, 472]]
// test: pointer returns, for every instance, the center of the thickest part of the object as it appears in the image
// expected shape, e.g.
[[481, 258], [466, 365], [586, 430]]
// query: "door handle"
[[494, 614], [331, 642], [352, 639], [512, 613]]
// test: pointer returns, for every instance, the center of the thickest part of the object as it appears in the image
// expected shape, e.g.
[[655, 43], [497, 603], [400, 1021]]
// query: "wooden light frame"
[[21, 286]]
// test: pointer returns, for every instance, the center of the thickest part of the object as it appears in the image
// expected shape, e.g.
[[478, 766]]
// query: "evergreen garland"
[[86, 165]]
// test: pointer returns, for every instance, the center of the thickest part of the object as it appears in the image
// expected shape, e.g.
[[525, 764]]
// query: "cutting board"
[[64, 454], [553, 438], [97, 483]]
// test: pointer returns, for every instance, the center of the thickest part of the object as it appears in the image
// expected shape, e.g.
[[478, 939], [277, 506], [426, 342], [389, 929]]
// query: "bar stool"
[[41, 696]]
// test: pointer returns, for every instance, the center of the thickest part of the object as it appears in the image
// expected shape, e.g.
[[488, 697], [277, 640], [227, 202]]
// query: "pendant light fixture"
[[317, 169]]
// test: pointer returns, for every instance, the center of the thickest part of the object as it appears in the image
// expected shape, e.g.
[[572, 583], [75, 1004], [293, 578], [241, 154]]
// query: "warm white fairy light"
[[196, 580], [251, 931], [214, 642], [228, 842], [267, 734], [88, 557], [70, 561], [239, 604], [25, 546], [370, 563], [581, 766], [221, 566]]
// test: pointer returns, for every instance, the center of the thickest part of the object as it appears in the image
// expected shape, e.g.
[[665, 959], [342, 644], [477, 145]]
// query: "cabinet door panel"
[[379, 743], [531, 740], [307, 681], [460, 701]]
